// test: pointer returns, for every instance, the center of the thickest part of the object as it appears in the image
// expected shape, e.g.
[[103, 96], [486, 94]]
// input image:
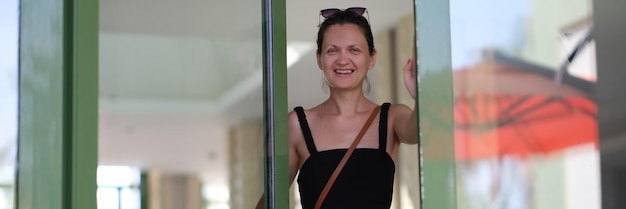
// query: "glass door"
[[525, 113], [189, 92], [58, 85], [131, 102], [435, 101], [9, 25]]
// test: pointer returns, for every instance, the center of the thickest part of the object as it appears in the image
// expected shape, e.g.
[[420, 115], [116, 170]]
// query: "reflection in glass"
[[181, 99], [9, 21], [525, 116]]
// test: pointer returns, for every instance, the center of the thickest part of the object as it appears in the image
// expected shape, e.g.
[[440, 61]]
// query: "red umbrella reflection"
[[506, 111]]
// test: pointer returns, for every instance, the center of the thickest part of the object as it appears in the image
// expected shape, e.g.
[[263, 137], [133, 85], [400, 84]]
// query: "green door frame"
[[275, 104], [435, 104], [58, 104]]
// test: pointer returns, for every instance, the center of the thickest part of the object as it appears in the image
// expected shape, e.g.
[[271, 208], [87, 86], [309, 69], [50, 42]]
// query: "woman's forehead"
[[343, 33]]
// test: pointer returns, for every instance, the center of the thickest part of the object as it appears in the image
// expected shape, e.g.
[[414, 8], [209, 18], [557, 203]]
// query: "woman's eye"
[[355, 50], [332, 50]]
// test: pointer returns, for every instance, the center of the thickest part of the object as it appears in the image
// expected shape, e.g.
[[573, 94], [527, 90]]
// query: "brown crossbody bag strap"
[[343, 161]]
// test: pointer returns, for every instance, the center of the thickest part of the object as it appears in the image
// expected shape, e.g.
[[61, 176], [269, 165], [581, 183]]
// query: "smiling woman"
[[8, 100], [319, 137]]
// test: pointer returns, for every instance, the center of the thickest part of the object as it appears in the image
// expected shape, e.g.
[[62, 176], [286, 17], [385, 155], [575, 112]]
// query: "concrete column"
[[246, 164], [382, 76], [174, 191], [403, 46], [154, 188], [408, 157]]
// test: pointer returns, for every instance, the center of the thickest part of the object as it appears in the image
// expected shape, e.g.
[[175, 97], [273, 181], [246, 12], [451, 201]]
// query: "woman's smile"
[[344, 72]]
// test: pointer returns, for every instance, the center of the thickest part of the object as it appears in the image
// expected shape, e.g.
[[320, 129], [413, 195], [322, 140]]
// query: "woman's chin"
[[343, 88]]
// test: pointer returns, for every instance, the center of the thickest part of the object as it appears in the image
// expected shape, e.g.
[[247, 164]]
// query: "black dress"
[[366, 181]]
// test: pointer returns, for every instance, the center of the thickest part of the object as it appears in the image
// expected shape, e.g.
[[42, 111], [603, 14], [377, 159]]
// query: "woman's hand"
[[410, 77]]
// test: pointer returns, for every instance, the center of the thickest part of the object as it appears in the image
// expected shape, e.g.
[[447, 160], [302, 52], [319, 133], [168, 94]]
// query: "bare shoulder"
[[295, 140], [404, 123], [294, 126], [399, 114], [293, 117], [399, 110]]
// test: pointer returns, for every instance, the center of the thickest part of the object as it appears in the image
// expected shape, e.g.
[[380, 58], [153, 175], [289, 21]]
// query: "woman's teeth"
[[344, 71]]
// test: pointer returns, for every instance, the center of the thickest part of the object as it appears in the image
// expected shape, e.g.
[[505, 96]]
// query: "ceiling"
[[174, 75]]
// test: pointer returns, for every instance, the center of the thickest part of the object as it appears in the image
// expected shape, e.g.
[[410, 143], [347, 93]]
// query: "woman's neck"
[[347, 102]]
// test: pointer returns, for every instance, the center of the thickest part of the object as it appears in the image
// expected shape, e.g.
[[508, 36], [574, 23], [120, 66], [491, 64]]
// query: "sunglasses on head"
[[326, 13], [356, 11]]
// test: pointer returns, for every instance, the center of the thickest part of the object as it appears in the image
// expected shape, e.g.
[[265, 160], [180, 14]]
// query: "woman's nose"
[[343, 58]]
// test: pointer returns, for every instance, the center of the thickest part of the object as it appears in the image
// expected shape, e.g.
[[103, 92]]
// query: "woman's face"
[[344, 57]]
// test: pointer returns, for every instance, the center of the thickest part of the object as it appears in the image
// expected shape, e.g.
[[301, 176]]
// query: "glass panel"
[[393, 30], [526, 129], [118, 187], [129, 197], [108, 198], [436, 151], [181, 99], [8, 100]]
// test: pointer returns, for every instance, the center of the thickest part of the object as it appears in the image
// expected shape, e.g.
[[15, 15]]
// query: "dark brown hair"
[[346, 17]]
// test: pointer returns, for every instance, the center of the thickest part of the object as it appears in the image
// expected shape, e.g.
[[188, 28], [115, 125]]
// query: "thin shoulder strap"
[[382, 127], [306, 131]]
